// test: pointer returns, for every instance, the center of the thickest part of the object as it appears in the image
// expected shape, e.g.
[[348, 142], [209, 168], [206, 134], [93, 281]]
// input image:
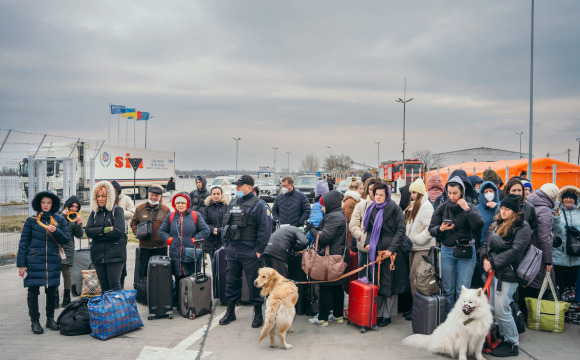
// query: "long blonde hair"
[[504, 227], [413, 209]]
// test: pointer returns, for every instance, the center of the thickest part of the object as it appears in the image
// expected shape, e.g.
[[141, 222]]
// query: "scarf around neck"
[[376, 230]]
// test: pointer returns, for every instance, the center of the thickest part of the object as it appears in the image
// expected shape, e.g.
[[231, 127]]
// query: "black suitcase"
[[81, 261], [195, 292], [137, 268], [219, 275], [159, 287], [428, 313]]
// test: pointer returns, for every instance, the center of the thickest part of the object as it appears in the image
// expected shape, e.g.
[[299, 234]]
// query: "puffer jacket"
[[198, 196], [474, 180], [505, 253], [355, 226], [487, 213], [467, 224], [332, 228], [351, 198], [110, 247], [418, 230], [316, 215], [179, 233], [74, 230], [543, 240], [560, 257], [213, 214], [291, 208], [284, 242], [37, 251], [468, 192]]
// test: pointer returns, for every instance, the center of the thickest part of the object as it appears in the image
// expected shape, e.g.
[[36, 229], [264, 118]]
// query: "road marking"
[[179, 352]]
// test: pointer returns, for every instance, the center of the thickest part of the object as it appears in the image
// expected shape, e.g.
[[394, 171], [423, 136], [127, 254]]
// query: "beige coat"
[[356, 223], [418, 230], [127, 205]]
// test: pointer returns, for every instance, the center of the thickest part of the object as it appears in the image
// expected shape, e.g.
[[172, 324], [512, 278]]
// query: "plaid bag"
[[113, 314], [91, 284]]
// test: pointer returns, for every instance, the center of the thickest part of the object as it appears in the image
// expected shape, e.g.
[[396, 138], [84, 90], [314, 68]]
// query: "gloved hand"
[[308, 226], [169, 240], [107, 229]]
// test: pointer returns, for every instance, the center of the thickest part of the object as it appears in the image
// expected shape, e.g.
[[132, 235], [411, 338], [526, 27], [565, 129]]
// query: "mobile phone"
[[448, 221], [25, 274], [556, 205]]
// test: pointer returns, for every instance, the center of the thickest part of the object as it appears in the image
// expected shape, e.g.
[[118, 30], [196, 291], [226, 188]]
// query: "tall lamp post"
[[275, 148], [146, 122], [404, 101], [288, 152], [531, 98], [520, 134], [330, 159], [378, 155], [578, 139], [237, 139]]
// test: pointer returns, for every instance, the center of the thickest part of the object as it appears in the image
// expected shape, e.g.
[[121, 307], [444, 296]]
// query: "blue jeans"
[[171, 195], [454, 274], [499, 302]]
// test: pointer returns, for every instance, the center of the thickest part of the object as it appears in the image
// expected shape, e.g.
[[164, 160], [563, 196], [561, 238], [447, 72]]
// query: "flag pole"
[[134, 131], [118, 128], [127, 132], [109, 123]]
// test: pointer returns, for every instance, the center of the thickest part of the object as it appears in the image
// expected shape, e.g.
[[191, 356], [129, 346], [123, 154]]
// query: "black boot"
[[505, 349], [230, 314], [52, 325], [66, 298], [258, 318], [56, 299], [36, 328], [408, 313]]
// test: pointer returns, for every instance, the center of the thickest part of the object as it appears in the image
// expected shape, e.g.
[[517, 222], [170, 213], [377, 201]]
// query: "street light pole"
[[578, 139], [288, 152], [531, 98], [330, 159], [520, 134], [378, 155], [237, 139], [404, 101], [275, 148], [146, 122]]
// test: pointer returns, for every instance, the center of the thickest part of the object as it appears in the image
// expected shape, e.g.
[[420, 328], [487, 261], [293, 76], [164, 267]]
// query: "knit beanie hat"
[[527, 184], [511, 201], [418, 186], [570, 194], [179, 199], [551, 190], [320, 188]]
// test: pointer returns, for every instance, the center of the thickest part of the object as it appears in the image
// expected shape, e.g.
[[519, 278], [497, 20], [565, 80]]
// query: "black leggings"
[[110, 275], [330, 298], [32, 298]]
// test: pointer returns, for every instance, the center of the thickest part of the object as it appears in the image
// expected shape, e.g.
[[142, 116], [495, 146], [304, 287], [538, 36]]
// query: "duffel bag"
[[114, 313], [74, 319]]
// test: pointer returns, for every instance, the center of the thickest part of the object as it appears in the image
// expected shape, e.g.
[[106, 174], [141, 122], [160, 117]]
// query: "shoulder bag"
[[145, 228], [572, 238], [327, 267]]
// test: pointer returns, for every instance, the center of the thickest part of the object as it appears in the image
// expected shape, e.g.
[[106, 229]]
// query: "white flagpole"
[[118, 128], [134, 131]]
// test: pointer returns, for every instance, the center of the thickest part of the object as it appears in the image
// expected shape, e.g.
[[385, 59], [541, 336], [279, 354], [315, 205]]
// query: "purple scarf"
[[376, 231]]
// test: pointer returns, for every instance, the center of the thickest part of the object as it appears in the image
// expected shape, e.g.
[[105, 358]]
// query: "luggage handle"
[[195, 243]]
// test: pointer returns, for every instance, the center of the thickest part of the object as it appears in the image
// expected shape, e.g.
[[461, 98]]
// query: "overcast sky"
[[297, 75]]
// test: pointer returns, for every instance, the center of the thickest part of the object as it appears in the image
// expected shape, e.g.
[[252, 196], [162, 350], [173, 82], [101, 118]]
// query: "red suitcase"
[[362, 305], [352, 265]]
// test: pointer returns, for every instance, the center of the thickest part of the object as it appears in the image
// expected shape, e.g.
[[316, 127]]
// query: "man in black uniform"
[[247, 229]]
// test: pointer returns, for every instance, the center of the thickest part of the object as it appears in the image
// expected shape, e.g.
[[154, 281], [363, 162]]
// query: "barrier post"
[[507, 174], [554, 174]]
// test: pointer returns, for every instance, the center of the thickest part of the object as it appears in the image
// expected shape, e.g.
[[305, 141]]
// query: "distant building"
[[480, 154]]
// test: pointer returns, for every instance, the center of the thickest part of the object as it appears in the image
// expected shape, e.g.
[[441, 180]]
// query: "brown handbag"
[[327, 267]]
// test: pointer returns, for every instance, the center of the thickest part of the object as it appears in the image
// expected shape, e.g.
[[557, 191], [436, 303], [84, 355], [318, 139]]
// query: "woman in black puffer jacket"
[[213, 213], [106, 228], [501, 252]]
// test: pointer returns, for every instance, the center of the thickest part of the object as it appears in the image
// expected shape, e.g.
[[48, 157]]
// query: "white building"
[[480, 154]]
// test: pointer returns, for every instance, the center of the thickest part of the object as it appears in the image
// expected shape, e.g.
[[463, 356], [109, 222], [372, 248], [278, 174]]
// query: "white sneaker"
[[314, 320], [339, 320]]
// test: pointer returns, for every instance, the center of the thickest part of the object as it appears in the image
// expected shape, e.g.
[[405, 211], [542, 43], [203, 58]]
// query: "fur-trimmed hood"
[[224, 200], [49, 194], [569, 188], [353, 194], [111, 196]]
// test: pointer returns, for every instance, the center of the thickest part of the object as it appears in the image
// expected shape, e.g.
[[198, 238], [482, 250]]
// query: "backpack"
[[193, 215], [426, 278], [74, 319]]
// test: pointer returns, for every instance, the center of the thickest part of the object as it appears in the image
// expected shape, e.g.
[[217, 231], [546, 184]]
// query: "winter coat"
[[332, 229], [170, 185], [351, 198], [285, 241], [468, 224], [392, 282], [543, 240], [490, 175], [468, 192], [418, 230], [37, 251], [505, 253], [474, 180], [292, 208], [110, 247], [213, 214], [198, 196], [435, 187], [316, 215], [124, 202], [226, 189], [487, 213], [405, 197], [355, 226], [155, 213], [560, 257], [74, 230], [181, 230]]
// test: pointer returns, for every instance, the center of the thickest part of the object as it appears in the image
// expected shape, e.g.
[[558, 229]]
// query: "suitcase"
[[352, 265], [362, 305], [137, 269], [218, 269], [195, 293], [159, 287], [81, 261], [313, 291], [428, 313]]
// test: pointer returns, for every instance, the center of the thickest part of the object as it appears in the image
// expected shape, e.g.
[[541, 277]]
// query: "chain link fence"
[[13, 209]]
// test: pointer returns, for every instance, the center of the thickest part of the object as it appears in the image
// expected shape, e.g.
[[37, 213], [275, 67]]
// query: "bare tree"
[[330, 163], [310, 163], [344, 162], [429, 159], [339, 163]]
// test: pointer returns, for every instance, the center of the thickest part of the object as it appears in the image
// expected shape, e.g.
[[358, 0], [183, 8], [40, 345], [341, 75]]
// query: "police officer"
[[247, 229]]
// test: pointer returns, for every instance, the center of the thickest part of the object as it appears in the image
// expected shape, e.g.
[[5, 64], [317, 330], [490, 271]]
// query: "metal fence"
[[13, 208]]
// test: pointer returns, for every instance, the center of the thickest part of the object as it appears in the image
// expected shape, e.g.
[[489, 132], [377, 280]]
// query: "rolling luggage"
[[81, 261], [313, 291], [159, 287], [218, 269], [429, 311], [362, 305], [195, 293], [137, 268]]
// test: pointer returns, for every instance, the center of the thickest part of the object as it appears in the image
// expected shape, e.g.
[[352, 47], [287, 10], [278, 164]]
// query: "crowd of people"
[[480, 226]]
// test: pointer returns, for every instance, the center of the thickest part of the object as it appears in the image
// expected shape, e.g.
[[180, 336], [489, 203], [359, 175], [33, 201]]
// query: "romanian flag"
[[130, 114]]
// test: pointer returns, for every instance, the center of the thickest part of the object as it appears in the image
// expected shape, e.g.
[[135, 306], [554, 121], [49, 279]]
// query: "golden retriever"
[[282, 296]]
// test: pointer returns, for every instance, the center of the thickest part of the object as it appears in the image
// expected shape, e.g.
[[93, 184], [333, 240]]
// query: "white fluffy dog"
[[464, 331]]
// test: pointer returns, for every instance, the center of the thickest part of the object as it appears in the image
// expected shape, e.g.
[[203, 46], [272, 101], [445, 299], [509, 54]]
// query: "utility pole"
[[531, 98], [237, 139], [578, 139], [568, 154], [275, 148], [520, 134], [288, 152], [330, 159], [378, 155], [404, 101]]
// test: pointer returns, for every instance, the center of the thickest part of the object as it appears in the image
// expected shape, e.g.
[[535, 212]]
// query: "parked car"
[[343, 186], [269, 188], [218, 181], [306, 185]]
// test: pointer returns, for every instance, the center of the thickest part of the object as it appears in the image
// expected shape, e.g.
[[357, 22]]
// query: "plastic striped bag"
[[114, 313]]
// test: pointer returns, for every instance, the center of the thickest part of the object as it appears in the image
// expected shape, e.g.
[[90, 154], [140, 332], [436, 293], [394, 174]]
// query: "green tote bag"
[[544, 315]]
